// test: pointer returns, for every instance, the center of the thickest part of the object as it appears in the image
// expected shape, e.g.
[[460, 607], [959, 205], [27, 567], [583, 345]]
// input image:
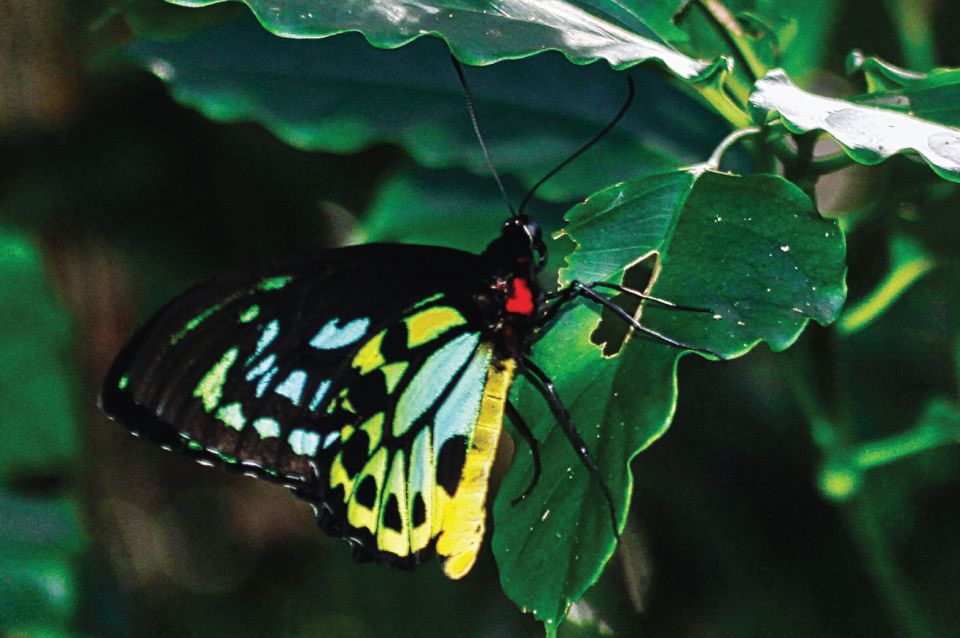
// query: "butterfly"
[[371, 380]]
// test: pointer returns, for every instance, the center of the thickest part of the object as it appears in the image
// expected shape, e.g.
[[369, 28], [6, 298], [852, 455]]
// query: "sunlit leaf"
[[478, 31], [933, 96], [868, 134]]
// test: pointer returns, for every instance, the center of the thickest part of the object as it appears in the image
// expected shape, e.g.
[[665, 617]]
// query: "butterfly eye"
[[541, 249], [535, 235]]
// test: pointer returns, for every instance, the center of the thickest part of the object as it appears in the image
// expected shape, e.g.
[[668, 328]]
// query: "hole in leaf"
[[612, 331]]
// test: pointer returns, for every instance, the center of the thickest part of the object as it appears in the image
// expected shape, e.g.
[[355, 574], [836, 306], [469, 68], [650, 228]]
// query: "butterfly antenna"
[[471, 109], [583, 149]]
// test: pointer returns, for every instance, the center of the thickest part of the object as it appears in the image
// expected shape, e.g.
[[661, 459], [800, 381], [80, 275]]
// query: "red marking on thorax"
[[520, 300]]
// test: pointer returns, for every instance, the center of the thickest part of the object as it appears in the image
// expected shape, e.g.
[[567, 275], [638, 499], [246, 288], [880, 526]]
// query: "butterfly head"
[[515, 258], [521, 243]]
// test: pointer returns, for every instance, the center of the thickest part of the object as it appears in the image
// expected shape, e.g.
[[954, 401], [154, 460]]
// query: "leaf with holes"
[[751, 249]]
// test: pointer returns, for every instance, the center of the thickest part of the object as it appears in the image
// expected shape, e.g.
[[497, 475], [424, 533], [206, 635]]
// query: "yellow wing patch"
[[374, 429], [392, 373], [339, 475], [358, 514], [463, 516], [428, 324], [390, 540], [369, 357]]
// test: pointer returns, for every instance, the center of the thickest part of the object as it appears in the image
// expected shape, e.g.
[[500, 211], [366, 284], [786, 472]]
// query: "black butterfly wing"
[[360, 377]]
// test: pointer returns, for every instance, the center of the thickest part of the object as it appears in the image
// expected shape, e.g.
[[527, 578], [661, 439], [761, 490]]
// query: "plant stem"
[[831, 163], [721, 19], [728, 141], [913, 21], [879, 561], [725, 18], [725, 106]]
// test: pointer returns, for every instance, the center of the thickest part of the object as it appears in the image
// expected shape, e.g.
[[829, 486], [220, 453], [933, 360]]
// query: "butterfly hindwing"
[[422, 420], [382, 408]]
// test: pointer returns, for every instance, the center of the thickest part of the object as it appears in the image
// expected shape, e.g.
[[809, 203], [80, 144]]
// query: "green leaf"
[[753, 250], [933, 96], [149, 18], [656, 15], [37, 432], [451, 209], [767, 272], [478, 31], [802, 29], [868, 134], [331, 95], [714, 28]]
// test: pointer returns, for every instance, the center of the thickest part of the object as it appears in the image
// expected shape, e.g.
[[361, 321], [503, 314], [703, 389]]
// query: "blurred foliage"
[[809, 492], [40, 535]]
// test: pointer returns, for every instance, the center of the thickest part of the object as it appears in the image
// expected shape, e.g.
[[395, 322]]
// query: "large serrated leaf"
[[341, 95], [868, 134], [753, 250], [478, 31]]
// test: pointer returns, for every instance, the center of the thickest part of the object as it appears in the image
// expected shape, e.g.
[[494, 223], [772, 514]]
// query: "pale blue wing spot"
[[267, 428], [292, 386], [261, 368], [319, 394], [422, 467], [432, 378], [458, 414], [422, 470], [232, 415], [270, 332], [303, 442], [332, 337], [332, 438], [264, 382]]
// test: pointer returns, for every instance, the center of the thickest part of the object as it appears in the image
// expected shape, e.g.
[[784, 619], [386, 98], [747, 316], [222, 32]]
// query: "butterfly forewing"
[[371, 400]]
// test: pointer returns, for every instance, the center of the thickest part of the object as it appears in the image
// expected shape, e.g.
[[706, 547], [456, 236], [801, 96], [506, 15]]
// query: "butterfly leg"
[[527, 435], [579, 289], [540, 378], [641, 295]]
